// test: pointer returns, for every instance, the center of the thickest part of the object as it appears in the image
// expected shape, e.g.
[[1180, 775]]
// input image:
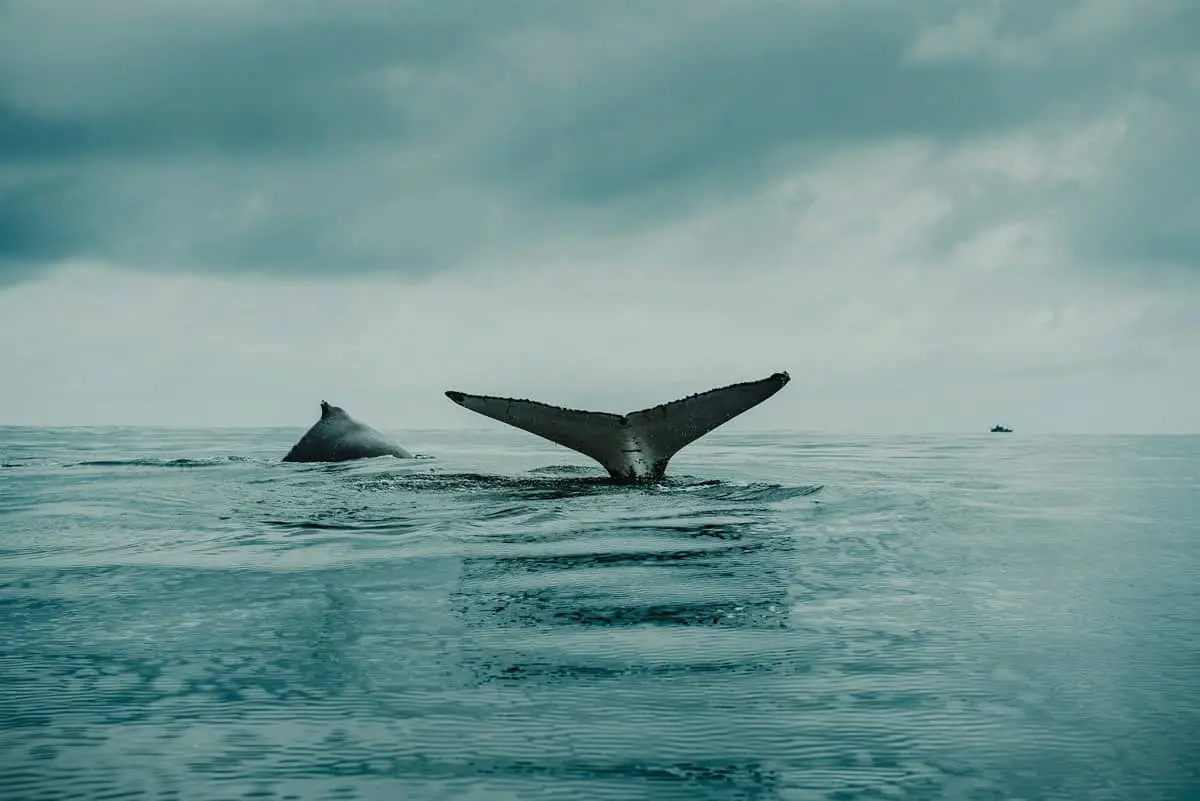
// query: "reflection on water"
[[786, 617]]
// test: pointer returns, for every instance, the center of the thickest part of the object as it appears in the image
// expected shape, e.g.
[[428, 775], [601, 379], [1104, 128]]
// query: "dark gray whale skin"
[[635, 446], [338, 437]]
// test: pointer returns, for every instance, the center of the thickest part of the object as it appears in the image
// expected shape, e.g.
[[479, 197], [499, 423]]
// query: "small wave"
[[567, 469], [526, 487], [753, 492], [549, 483], [390, 524], [544, 612], [214, 461]]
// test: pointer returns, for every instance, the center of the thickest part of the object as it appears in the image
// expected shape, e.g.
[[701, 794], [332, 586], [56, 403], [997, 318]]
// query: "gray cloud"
[[1146, 210], [727, 98], [404, 138]]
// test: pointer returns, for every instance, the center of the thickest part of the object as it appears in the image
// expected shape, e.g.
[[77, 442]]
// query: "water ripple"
[[912, 618]]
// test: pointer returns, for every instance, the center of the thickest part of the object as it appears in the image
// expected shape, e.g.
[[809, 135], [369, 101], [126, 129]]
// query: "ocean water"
[[788, 616]]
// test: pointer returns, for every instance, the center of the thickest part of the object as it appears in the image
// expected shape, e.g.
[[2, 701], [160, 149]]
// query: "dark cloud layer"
[[405, 137]]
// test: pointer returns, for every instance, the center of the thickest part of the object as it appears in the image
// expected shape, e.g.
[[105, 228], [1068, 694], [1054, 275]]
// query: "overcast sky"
[[935, 215]]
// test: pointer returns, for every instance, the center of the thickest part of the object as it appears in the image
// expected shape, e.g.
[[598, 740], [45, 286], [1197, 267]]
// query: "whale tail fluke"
[[631, 446]]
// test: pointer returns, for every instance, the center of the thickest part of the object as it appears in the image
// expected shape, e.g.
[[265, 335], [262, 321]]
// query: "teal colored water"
[[789, 616]]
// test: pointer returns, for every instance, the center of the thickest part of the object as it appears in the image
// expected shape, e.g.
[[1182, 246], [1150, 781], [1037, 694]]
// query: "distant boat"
[[998, 429]]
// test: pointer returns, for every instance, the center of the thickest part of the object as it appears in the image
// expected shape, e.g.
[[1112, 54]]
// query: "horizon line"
[[475, 429]]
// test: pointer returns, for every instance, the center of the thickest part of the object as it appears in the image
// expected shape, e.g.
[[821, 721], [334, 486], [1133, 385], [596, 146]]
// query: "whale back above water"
[[633, 446], [338, 437]]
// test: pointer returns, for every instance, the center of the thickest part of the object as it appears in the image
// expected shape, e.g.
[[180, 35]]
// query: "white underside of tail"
[[636, 445]]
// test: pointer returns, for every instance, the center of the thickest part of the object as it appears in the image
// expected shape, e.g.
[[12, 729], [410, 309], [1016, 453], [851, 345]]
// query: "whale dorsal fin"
[[634, 445], [329, 410]]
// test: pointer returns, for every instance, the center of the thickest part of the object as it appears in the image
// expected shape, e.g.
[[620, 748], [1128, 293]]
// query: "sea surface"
[[787, 616]]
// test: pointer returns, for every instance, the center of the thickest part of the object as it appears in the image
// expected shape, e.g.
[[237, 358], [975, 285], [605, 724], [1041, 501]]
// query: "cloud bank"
[[974, 196], [304, 138]]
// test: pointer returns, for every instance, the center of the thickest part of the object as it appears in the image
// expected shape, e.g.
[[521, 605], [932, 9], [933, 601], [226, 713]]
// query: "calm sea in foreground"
[[788, 616]]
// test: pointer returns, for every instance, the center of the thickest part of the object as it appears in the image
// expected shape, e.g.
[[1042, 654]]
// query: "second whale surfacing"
[[634, 446], [338, 437]]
